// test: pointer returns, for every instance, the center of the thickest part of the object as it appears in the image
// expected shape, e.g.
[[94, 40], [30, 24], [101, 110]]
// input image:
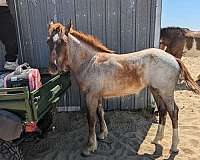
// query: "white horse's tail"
[[188, 78]]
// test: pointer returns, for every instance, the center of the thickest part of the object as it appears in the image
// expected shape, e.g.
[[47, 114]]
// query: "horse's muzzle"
[[53, 69]]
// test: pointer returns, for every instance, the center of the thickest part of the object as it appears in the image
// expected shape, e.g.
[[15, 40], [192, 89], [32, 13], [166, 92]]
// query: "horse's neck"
[[80, 54]]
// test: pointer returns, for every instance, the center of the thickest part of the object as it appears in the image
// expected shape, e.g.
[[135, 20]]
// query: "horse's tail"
[[188, 78]]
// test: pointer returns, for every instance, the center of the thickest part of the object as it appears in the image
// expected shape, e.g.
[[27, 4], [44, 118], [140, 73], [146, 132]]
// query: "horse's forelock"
[[57, 28]]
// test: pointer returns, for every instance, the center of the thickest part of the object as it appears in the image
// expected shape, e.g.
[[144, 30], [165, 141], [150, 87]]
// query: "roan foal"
[[102, 74]]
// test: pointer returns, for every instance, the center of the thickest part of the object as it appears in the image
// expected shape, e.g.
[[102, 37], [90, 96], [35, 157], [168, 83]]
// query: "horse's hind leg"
[[172, 109], [161, 126], [92, 104], [162, 116], [103, 127]]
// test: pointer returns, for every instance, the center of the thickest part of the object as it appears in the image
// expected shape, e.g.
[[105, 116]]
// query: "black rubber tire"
[[10, 151]]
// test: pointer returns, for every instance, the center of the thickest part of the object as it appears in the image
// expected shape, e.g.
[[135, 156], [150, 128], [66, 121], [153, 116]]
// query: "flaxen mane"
[[91, 40]]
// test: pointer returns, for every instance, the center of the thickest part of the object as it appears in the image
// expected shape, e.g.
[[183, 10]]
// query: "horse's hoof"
[[86, 153], [174, 151], [89, 150], [101, 136]]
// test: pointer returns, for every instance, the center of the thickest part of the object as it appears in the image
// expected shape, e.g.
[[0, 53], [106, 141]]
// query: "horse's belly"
[[122, 92]]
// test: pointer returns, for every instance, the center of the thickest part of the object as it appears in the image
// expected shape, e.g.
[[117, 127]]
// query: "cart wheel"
[[9, 151]]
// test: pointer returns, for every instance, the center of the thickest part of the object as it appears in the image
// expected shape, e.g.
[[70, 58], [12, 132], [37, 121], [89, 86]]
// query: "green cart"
[[30, 109]]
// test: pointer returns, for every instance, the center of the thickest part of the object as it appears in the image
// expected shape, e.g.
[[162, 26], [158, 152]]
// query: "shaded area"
[[127, 130], [157, 154], [183, 86], [198, 81]]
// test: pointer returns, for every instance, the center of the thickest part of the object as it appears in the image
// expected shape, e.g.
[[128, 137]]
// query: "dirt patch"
[[127, 131]]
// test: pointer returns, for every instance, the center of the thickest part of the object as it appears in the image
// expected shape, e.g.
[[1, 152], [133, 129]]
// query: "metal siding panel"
[[2, 54], [113, 38], [32, 59], [157, 23], [13, 7], [128, 9], [68, 12], [82, 9], [43, 35], [152, 25], [25, 29], [142, 33], [98, 18], [141, 24]]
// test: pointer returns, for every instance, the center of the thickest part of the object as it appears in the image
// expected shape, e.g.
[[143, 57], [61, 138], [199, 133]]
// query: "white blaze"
[[55, 37]]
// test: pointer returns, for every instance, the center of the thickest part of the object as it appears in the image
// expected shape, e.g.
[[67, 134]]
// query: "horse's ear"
[[69, 27], [51, 22]]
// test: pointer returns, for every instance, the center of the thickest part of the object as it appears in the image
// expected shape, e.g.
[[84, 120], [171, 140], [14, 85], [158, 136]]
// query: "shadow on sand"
[[183, 86], [127, 131], [157, 154]]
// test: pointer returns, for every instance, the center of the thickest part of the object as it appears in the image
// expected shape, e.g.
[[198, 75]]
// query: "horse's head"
[[164, 44], [57, 42]]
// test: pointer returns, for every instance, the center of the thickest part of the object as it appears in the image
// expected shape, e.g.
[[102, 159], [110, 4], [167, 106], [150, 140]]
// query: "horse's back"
[[155, 55]]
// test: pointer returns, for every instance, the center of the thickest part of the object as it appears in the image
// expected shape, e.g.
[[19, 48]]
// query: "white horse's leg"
[[161, 126], [103, 127], [159, 134], [92, 104], [172, 109], [162, 116]]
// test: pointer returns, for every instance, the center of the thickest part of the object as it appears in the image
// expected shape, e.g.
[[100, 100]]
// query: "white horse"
[[102, 74]]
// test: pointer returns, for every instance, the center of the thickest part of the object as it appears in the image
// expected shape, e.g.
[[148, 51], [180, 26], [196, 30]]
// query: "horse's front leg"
[[92, 104], [103, 127]]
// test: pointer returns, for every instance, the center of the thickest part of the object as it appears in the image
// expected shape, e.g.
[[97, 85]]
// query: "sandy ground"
[[130, 134]]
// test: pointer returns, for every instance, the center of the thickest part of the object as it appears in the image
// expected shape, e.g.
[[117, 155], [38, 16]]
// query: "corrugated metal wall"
[[123, 25]]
